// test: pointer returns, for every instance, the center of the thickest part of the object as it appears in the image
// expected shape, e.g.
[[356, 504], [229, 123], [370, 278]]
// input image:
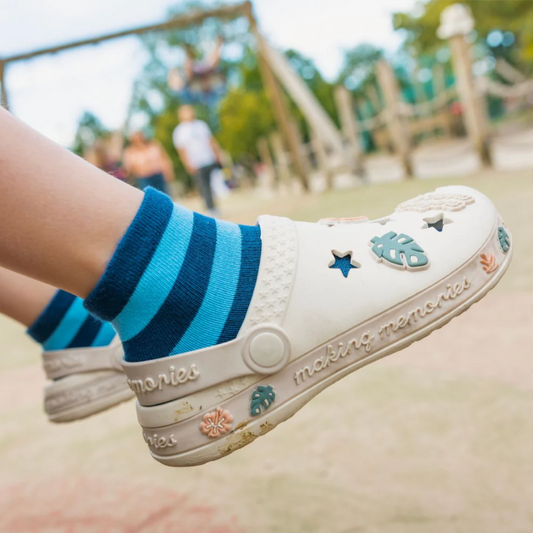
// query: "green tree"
[[358, 68], [516, 16], [245, 116], [90, 128]]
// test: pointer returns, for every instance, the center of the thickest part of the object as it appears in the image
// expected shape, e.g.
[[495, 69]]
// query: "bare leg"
[[61, 218], [214, 58], [189, 64], [22, 298]]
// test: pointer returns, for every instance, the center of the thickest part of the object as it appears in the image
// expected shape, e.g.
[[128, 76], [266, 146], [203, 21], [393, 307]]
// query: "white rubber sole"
[[247, 432], [82, 395]]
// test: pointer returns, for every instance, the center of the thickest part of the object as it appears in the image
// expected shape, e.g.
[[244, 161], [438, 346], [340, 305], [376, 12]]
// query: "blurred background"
[[337, 108]]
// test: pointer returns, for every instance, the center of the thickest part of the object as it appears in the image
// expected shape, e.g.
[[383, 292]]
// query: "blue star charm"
[[343, 262]]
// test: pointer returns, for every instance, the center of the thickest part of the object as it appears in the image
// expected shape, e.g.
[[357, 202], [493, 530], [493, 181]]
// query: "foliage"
[[245, 116], [515, 16], [358, 69], [90, 128]]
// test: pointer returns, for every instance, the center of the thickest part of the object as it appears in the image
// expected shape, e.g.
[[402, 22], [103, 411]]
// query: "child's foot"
[[327, 299], [82, 356]]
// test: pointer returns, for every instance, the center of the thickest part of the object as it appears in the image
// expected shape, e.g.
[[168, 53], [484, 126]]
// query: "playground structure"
[[395, 126], [274, 68]]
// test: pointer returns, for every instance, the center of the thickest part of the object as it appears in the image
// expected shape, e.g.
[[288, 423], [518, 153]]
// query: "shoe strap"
[[60, 363], [264, 349], [262, 346]]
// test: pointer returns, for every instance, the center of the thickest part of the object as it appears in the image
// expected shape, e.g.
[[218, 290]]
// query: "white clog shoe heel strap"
[[262, 346], [61, 363]]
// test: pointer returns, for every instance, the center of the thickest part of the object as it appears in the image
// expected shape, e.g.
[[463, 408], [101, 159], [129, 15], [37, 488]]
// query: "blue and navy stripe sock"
[[178, 281], [65, 323]]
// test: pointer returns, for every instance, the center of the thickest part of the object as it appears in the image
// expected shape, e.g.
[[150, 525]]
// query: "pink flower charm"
[[216, 423]]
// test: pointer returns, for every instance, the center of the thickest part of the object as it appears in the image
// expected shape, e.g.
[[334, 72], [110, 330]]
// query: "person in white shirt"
[[198, 150]]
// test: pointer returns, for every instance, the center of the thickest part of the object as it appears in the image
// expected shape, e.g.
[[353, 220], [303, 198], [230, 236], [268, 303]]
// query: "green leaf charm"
[[505, 241], [262, 398], [399, 250]]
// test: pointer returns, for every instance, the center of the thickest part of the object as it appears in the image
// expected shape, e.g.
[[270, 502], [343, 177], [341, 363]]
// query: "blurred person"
[[199, 152], [229, 330], [148, 163], [101, 157], [202, 81]]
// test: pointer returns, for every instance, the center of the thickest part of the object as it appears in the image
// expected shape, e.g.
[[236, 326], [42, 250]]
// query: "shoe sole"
[[80, 396], [247, 432]]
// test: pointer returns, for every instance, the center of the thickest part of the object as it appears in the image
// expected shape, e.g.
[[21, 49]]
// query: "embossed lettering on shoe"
[[174, 378]]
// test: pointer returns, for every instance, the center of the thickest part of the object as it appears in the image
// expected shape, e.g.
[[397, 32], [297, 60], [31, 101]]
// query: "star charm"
[[344, 262], [437, 222]]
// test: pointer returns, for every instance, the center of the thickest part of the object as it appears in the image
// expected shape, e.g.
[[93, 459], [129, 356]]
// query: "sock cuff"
[[132, 256], [51, 316]]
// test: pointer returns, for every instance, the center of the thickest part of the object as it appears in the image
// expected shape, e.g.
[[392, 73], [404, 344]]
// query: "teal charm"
[[504, 240], [400, 251], [262, 398]]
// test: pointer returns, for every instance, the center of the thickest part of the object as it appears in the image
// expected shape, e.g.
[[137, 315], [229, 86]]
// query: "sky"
[[52, 92]]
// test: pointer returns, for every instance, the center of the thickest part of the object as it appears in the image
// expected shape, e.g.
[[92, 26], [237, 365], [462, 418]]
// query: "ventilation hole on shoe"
[[437, 222]]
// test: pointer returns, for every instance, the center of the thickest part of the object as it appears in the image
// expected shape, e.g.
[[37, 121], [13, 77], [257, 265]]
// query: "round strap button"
[[267, 350]]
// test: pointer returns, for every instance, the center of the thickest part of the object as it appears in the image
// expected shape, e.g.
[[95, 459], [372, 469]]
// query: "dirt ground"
[[435, 439]]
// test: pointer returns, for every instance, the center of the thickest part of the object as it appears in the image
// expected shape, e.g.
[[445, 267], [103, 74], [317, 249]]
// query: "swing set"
[[276, 73]]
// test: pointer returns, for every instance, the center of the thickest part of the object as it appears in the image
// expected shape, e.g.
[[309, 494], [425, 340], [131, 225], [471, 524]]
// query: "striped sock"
[[65, 323], [178, 281]]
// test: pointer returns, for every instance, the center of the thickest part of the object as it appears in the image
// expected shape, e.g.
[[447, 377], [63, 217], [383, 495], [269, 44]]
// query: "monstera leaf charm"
[[503, 238], [262, 398], [399, 250]]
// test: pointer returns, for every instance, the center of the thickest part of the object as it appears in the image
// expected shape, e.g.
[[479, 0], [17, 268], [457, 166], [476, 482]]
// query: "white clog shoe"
[[330, 298], [85, 381]]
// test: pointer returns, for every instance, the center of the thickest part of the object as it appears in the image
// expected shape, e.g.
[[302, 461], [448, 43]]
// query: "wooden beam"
[[266, 157], [181, 21], [278, 101], [281, 158], [439, 87], [474, 106], [281, 110], [313, 112], [4, 102], [345, 109], [396, 125], [322, 159]]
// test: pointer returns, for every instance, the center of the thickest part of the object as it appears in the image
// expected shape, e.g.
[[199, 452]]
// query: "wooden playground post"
[[439, 87], [456, 23], [345, 109], [282, 114], [279, 103], [281, 157], [418, 87], [266, 158], [3, 90], [398, 131], [322, 159]]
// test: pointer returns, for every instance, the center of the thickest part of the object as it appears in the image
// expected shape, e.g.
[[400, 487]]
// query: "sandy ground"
[[437, 438]]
